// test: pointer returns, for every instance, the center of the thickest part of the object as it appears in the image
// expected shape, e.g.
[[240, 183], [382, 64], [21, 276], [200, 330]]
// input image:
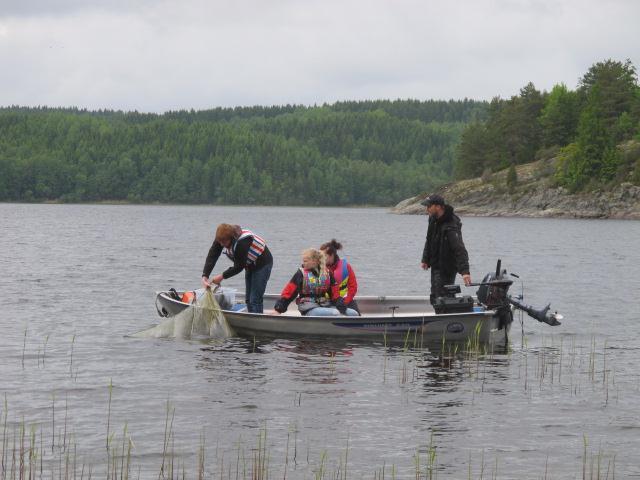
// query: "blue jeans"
[[323, 312], [330, 312], [255, 282]]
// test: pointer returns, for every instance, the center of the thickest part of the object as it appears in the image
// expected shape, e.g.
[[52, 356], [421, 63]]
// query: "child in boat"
[[344, 277], [312, 287]]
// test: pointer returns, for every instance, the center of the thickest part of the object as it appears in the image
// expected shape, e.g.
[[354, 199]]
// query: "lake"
[[77, 280]]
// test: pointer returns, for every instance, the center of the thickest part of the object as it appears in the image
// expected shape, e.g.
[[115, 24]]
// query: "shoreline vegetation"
[[163, 204], [566, 153], [47, 446], [580, 145], [535, 194]]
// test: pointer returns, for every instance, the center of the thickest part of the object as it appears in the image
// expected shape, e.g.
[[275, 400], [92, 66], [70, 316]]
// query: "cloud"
[[161, 55], [41, 8]]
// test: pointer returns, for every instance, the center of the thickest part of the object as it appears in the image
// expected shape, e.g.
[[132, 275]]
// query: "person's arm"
[[425, 251], [210, 262], [425, 254], [456, 244], [352, 285], [289, 292], [239, 258], [334, 288], [334, 293]]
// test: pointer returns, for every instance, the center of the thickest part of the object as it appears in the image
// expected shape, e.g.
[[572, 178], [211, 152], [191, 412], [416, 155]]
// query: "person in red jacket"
[[344, 277], [312, 287]]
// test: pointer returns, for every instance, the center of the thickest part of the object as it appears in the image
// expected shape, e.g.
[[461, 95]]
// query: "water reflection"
[[336, 361], [386, 400]]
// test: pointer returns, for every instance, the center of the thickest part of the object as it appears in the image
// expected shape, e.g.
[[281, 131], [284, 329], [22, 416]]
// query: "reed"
[[24, 344], [4, 436], [44, 351], [260, 468], [380, 474], [110, 389], [557, 364], [592, 463], [22, 458], [73, 341], [167, 462]]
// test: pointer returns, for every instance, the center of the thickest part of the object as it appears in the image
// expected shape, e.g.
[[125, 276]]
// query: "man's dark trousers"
[[439, 279]]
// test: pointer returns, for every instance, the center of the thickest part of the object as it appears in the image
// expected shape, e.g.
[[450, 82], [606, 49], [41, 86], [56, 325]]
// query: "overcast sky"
[[155, 55]]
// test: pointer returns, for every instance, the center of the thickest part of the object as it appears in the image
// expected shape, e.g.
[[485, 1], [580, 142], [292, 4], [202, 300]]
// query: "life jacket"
[[188, 297], [255, 249], [341, 276], [315, 286]]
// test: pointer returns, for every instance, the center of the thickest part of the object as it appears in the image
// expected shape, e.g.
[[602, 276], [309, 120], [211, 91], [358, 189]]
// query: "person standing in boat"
[[344, 277], [444, 251], [312, 287], [248, 252]]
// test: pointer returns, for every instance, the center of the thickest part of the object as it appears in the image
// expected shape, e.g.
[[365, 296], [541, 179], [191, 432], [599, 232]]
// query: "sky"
[[160, 55]]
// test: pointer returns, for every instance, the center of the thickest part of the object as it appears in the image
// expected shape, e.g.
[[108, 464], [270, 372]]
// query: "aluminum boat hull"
[[392, 318]]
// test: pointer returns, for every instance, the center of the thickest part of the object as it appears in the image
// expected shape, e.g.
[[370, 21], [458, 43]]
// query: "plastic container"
[[226, 297]]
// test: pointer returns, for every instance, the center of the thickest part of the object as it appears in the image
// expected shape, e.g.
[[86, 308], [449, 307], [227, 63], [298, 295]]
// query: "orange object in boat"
[[188, 297]]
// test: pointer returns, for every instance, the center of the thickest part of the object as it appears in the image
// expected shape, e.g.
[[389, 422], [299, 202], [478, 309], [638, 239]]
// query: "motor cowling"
[[494, 290], [493, 293]]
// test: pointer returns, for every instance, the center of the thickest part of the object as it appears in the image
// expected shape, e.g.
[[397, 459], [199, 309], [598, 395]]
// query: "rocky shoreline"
[[534, 195]]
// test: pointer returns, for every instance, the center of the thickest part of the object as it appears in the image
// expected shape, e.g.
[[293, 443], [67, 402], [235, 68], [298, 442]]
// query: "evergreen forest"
[[348, 153], [587, 129]]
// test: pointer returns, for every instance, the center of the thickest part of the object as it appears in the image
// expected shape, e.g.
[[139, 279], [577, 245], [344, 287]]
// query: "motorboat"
[[484, 318]]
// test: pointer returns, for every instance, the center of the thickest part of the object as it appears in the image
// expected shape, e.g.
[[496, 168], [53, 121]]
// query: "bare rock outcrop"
[[533, 195]]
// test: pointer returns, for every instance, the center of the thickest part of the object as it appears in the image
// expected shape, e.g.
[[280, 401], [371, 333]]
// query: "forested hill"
[[564, 153], [347, 153], [585, 129]]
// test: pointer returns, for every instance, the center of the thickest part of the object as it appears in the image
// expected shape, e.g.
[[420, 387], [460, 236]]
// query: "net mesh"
[[203, 318]]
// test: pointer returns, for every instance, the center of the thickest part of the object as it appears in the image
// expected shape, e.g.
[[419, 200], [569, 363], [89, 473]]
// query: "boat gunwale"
[[378, 298]]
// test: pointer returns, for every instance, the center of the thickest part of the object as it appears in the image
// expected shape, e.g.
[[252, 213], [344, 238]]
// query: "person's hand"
[[205, 282], [279, 307], [217, 279], [342, 308], [467, 279], [424, 266]]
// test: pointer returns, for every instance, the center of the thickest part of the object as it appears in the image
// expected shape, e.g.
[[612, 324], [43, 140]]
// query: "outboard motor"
[[494, 288], [493, 292], [541, 314]]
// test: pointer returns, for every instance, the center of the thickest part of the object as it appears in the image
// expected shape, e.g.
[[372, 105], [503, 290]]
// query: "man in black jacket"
[[444, 251]]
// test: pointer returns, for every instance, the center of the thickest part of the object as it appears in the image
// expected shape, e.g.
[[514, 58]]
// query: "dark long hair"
[[331, 247]]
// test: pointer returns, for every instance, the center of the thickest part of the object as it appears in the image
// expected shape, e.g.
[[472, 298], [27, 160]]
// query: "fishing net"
[[203, 318]]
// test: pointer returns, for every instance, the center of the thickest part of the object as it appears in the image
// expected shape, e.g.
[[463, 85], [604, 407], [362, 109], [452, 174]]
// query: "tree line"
[[582, 127], [348, 153]]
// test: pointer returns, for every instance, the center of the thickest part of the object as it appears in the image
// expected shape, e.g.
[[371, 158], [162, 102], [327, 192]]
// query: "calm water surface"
[[76, 280]]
